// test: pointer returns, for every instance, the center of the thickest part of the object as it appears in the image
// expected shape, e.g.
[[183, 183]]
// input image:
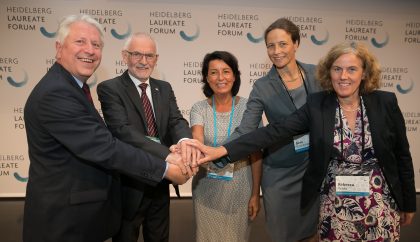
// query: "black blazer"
[[124, 115], [318, 117], [72, 192]]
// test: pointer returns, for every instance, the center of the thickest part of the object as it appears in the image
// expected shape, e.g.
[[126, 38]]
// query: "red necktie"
[[151, 124], [86, 90]]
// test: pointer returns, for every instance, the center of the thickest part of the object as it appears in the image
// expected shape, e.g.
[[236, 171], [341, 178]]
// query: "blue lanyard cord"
[[232, 111]]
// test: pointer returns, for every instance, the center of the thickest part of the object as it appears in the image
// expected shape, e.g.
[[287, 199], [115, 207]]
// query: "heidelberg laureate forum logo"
[[192, 71], [173, 23], [367, 30], [233, 25], [396, 78], [9, 72], [311, 27], [21, 19], [109, 19], [412, 33], [10, 165]]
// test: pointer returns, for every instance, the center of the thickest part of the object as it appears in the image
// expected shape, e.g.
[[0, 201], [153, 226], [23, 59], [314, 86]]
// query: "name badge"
[[155, 139], [352, 185], [301, 143], [225, 173]]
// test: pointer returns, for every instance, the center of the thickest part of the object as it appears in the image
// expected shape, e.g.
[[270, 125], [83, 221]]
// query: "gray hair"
[[64, 26], [137, 35]]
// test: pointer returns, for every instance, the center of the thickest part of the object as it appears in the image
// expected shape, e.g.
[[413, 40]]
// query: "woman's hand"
[[253, 207], [210, 153], [406, 218]]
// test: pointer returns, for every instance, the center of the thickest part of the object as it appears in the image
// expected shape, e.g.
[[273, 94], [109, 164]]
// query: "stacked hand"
[[187, 155], [183, 157], [190, 154], [207, 153]]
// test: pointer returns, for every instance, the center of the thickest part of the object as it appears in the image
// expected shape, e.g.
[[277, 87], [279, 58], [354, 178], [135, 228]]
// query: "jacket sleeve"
[[402, 154], [296, 123], [82, 134]]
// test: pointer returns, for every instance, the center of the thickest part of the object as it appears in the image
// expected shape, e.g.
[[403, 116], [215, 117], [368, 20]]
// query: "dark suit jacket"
[[318, 116], [73, 193], [124, 115]]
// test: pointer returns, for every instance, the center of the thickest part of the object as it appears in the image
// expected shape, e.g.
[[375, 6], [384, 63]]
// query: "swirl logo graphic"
[[46, 33], [187, 37], [380, 44], [20, 178], [405, 90], [322, 41], [121, 36], [254, 40], [15, 83]]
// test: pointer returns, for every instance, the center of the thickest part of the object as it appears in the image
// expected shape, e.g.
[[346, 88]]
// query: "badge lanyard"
[[215, 119], [341, 127], [287, 90], [352, 185]]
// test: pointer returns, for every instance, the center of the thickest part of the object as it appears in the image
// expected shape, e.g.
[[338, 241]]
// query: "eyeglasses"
[[138, 56]]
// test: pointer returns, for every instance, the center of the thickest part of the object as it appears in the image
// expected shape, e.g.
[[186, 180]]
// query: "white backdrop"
[[185, 31]]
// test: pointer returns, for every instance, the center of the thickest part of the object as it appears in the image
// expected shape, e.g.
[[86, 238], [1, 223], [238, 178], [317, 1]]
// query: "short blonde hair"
[[371, 69]]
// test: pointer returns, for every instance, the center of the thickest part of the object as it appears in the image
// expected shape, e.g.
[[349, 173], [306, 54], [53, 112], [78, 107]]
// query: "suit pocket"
[[89, 196]]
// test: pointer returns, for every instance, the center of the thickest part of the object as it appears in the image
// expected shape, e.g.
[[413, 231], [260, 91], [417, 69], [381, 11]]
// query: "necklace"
[[291, 80], [296, 78], [349, 109]]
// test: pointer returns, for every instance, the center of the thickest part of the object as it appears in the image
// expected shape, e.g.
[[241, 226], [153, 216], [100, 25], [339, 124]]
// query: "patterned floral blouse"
[[373, 217]]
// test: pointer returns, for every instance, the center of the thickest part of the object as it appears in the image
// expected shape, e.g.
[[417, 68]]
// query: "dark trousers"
[[152, 216]]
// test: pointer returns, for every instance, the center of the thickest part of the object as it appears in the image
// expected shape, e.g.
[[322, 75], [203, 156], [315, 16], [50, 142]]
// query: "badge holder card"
[[352, 185], [301, 143], [225, 173]]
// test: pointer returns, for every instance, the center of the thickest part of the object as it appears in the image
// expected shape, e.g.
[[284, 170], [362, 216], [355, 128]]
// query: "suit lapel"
[[156, 97], [70, 79], [133, 94], [375, 121], [328, 106]]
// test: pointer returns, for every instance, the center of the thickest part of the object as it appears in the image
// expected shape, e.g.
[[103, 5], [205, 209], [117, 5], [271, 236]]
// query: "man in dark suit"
[[130, 120], [73, 188]]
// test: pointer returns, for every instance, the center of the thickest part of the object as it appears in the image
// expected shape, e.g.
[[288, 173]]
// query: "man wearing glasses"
[[142, 111]]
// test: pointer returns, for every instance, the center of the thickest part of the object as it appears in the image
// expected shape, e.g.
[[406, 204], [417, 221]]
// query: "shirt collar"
[[80, 83], [136, 81]]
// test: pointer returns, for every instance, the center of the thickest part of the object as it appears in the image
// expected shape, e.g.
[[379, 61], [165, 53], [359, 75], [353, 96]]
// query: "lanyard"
[[287, 90], [215, 119], [341, 127]]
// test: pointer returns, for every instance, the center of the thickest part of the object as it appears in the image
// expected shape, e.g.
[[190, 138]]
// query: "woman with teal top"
[[226, 199]]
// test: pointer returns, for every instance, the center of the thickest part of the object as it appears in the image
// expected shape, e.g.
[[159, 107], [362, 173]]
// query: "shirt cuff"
[[182, 140], [166, 169]]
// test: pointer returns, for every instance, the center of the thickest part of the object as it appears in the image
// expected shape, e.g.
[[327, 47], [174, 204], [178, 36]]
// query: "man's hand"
[[176, 159], [175, 175], [210, 153]]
